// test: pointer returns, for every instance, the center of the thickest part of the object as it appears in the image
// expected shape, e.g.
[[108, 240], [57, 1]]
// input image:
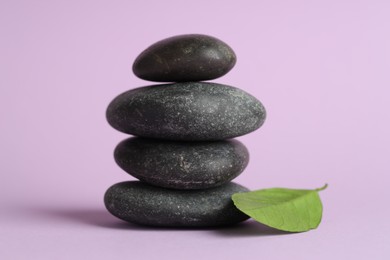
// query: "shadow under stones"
[[249, 228]]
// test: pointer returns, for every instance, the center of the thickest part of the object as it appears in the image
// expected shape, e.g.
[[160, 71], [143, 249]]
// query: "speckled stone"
[[191, 57], [191, 111], [140, 203], [182, 165]]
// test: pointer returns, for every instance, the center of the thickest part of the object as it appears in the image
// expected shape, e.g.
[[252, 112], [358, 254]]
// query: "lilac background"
[[321, 68]]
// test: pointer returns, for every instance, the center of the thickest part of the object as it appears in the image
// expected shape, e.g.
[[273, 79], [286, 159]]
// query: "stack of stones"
[[183, 154]]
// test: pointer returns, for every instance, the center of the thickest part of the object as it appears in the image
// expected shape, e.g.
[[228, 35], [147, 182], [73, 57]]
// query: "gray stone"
[[140, 203], [182, 165], [191, 57], [191, 111]]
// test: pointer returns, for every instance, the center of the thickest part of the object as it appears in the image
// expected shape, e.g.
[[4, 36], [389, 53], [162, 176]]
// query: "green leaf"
[[284, 209]]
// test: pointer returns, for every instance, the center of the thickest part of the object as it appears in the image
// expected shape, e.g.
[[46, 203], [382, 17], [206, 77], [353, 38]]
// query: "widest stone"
[[182, 165], [140, 203], [190, 57], [192, 111]]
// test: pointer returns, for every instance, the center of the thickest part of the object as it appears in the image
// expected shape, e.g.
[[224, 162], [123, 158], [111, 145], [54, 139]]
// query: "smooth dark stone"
[[182, 165], [140, 203], [191, 57], [191, 111]]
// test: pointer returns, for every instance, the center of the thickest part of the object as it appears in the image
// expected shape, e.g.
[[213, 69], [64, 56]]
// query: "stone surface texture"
[[144, 204], [191, 57], [189, 111], [182, 165]]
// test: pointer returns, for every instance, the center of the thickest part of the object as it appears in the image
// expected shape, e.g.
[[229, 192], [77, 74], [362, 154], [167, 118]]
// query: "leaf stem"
[[322, 188]]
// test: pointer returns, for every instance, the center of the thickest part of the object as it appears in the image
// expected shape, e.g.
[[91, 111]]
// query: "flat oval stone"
[[188, 111], [191, 57], [182, 165], [140, 203]]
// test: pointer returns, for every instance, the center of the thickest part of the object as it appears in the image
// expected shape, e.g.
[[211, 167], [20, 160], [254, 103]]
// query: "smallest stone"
[[190, 57]]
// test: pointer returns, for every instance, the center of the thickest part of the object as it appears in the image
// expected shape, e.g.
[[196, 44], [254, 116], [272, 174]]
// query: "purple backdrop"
[[321, 68]]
